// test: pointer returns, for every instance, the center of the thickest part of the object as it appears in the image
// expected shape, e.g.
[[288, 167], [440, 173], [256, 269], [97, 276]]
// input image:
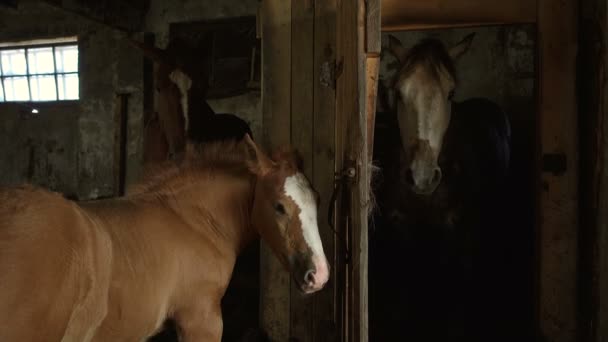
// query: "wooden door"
[[315, 81]]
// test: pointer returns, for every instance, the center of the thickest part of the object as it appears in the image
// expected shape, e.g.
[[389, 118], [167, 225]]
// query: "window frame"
[[27, 75]]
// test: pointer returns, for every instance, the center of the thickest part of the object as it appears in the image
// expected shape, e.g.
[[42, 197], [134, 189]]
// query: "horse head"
[[285, 215], [424, 85]]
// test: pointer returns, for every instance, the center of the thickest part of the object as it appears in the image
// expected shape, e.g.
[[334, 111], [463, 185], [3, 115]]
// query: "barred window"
[[39, 71]]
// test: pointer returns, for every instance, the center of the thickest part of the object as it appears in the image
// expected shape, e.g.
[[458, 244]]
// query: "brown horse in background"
[[115, 270]]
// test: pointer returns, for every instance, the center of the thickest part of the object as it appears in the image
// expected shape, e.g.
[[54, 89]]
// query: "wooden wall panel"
[[315, 89], [558, 226], [352, 142], [276, 108], [302, 35], [327, 303], [593, 128]]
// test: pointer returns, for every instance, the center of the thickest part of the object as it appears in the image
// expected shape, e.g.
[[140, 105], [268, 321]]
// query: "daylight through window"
[[41, 72]]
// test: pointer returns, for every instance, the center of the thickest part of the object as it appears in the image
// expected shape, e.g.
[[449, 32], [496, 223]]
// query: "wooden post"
[[276, 108], [373, 48], [302, 60], [593, 97], [351, 114], [120, 143], [558, 188], [327, 303]]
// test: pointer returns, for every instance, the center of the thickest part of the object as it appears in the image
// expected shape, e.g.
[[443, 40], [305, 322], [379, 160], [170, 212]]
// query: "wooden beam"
[[328, 302], [373, 48], [302, 60], [352, 140], [558, 221], [276, 109], [126, 16], [121, 115], [400, 15], [593, 112]]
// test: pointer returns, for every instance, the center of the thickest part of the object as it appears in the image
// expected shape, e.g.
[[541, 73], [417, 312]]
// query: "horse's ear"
[[463, 46], [396, 48], [258, 162]]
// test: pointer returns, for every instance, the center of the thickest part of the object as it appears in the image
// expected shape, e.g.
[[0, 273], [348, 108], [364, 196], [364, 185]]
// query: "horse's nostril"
[[409, 177], [436, 176], [309, 277]]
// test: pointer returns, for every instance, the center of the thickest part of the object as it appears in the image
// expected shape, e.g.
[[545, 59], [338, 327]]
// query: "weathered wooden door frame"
[[593, 109], [557, 138]]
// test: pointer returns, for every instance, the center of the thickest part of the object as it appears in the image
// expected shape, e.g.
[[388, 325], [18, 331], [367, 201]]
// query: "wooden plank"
[[372, 68], [601, 184], [593, 96], [396, 13], [121, 115], [327, 303], [346, 102], [351, 112], [276, 109], [558, 238], [302, 59], [411, 26], [360, 193], [373, 13]]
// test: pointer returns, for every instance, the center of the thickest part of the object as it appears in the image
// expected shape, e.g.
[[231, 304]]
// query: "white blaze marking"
[[183, 82], [297, 188]]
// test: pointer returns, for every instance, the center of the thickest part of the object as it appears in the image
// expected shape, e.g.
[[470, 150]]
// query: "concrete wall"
[[82, 134]]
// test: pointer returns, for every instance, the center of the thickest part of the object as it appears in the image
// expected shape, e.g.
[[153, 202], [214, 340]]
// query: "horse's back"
[[484, 129], [54, 268]]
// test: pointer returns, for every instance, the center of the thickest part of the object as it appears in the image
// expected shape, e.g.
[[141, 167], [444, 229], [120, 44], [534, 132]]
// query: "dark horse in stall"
[[443, 165]]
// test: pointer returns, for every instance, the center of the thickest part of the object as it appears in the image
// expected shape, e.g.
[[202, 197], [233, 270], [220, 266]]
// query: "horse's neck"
[[218, 208]]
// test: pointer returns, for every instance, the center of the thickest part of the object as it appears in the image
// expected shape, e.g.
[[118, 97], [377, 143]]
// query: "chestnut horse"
[[116, 269]]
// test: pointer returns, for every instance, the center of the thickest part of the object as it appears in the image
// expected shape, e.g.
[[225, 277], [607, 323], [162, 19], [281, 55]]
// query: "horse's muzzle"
[[423, 183], [311, 274]]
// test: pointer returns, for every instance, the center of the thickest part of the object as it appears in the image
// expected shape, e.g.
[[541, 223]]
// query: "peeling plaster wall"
[[107, 66]]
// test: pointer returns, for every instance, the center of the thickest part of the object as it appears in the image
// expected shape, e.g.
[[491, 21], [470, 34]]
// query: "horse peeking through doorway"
[[440, 193]]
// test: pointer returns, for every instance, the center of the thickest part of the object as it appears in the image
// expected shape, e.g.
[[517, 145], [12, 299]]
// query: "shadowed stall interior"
[[470, 282]]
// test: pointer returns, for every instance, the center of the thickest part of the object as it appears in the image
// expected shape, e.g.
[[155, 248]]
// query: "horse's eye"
[[280, 209], [451, 95]]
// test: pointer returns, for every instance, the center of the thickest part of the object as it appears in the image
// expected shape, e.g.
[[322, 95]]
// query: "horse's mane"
[[431, 52], [228, 157], [224, 156]]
